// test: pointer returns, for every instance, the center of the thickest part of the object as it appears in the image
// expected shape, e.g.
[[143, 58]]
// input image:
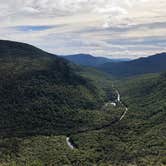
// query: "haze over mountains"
[[89, 60], [122, 67], [152, 64]]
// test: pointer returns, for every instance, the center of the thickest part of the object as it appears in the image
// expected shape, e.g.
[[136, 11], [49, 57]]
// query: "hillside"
[[44, 99], [151, 64], [146, 97], [89, 60], [40, 93], [47, 103], [138, 139]]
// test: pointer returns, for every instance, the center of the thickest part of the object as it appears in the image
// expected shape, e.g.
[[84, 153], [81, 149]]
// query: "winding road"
[[71, 146], [118, 96], [123, 114], [118, 100]]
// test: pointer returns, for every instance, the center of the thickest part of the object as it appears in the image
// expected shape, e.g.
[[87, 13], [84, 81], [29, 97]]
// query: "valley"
[[54, 112], [83, 83], [106, 105]]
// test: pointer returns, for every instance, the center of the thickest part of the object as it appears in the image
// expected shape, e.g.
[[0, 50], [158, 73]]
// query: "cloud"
[[103, 27], [29, 10]]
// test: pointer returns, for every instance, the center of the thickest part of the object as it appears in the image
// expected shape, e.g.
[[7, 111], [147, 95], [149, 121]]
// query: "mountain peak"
[[90, 60]]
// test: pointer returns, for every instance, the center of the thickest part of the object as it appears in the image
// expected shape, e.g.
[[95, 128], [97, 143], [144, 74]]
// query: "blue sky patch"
[[27, 28]]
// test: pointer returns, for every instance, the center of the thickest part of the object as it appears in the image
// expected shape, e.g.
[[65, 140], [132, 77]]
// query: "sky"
[[111, 28]]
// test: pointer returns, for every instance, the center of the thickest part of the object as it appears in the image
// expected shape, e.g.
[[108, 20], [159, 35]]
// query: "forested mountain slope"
[[44, 100], [151, 64], [146, 98], [40, 93]]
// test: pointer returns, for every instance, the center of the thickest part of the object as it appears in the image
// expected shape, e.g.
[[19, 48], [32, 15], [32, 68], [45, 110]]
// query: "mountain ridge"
[[36, 90], [90, 60], [152, 64]]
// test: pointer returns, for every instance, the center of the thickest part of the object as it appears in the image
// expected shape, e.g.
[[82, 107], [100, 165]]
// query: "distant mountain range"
[[122, 67], [151, 64], [89, 60]]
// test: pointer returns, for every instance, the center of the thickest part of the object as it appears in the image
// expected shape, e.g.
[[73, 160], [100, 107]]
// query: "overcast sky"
[[112, 28]]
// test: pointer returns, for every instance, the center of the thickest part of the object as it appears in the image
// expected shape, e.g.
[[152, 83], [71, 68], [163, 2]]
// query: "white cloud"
[[29, 10], [86, 25]]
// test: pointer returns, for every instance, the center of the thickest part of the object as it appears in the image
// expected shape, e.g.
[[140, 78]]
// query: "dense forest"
[[44, 99], [37, 91]]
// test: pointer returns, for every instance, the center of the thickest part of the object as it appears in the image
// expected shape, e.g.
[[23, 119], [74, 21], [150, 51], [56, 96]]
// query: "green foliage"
[[145, 97], [151, 64], [44, 99], [41, 93]]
